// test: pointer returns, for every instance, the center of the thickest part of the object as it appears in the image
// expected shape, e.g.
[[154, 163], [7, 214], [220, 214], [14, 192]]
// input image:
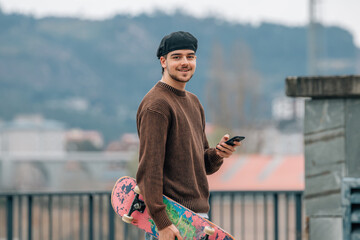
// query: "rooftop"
[[260, 173]]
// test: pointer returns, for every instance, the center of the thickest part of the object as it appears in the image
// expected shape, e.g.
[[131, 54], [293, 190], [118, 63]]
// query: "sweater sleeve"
[[213, 161], [152, 129]]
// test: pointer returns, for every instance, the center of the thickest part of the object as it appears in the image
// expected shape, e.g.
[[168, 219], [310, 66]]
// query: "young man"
[[174, 156]]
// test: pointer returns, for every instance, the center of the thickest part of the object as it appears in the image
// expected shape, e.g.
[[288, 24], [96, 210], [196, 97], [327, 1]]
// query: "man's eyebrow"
[[179, 54]]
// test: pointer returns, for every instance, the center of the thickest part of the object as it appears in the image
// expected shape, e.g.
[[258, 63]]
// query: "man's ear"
[[163, 61]]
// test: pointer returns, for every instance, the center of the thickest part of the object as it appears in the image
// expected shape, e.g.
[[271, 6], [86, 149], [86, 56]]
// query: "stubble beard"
[[180, 80]]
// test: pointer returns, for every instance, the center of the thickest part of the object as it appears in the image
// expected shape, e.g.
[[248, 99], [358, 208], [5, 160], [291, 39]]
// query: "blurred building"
[[285, 108], [32, 134], [128, 142], [84, 140]]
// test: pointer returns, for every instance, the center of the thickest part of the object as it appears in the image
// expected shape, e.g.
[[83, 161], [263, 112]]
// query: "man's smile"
[[184, 70]]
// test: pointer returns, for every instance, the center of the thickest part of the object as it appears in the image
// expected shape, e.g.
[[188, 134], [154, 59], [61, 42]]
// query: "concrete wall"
[[331, 146]]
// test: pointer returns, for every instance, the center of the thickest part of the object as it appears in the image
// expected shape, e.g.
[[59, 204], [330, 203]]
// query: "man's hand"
[[224, 150], [169, 233]]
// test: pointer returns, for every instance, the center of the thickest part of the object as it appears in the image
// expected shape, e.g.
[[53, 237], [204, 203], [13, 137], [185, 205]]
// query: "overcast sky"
[[344, 13]]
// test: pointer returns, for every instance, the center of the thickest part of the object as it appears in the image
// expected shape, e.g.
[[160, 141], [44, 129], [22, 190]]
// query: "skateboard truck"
[[136, 205], [208, 232]]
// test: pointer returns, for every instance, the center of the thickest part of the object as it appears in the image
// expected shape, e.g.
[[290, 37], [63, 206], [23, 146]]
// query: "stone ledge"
[[324, 86]]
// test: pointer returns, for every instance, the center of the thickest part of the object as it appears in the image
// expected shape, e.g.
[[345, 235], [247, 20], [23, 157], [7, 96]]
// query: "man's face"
[[180, 65]]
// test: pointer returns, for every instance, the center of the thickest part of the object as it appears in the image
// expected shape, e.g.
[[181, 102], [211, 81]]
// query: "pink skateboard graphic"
[[127, 202]]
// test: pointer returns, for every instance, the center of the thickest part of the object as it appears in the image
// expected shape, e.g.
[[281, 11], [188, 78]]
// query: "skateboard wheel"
[[137, 190], [127, 219], [209, 230]]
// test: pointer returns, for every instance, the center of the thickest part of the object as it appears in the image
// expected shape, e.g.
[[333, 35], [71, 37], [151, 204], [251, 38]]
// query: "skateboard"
[[127, 201]]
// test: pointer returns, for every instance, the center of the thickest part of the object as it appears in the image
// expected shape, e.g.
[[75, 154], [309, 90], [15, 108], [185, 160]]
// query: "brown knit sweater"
[[174, 153]]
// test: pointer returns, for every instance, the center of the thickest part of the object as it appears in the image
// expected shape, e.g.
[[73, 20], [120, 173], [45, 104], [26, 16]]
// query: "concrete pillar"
[[332, 147]]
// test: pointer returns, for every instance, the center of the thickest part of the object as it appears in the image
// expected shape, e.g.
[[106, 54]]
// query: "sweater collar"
[[178, 92]]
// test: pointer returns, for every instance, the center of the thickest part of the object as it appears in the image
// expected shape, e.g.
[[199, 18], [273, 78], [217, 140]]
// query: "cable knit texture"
[[174, 153]]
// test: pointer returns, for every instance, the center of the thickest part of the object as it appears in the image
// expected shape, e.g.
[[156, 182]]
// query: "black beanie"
[[175, 41]]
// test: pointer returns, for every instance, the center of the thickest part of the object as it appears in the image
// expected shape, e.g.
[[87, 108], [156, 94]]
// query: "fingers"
[[225, 138], [169, 233], [178, 236], [176, 232], [222, 154], [224, 150], [237, 144]]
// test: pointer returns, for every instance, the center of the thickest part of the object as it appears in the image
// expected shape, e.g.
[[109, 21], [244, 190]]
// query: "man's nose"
[[184, 60]]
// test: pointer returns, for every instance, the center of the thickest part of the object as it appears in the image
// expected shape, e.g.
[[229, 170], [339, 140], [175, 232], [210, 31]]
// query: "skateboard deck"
[[189, 224]]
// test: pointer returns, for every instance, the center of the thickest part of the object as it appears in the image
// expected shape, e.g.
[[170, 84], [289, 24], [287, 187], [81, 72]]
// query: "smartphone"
[[234, 139]]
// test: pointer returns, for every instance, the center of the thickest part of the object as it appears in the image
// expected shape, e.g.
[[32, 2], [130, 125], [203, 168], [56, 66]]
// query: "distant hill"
[[93, 74]]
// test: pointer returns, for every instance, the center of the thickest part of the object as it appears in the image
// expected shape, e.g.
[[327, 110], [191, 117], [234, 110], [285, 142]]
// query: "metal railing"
[[89, 215], [38, 216], [264, 215]]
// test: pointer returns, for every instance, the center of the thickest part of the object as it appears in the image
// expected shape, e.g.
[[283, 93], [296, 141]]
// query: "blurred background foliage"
[[93, 74]]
